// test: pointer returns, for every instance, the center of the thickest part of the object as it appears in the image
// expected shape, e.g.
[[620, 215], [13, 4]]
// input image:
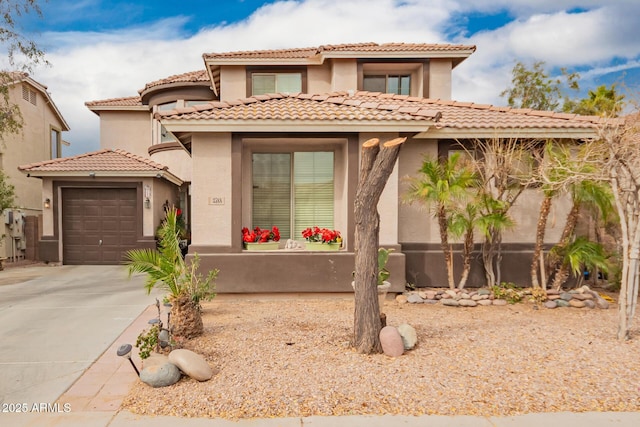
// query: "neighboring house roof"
[[429, 117], [100, 163], [15, 77], [126, 103]]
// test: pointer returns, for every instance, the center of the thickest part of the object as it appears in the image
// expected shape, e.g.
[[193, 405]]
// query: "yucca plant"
[[166, 268]]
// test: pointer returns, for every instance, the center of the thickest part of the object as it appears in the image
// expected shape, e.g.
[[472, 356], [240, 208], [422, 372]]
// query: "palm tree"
[[443, 183], [593, 195], [166, 268], [581, 253]]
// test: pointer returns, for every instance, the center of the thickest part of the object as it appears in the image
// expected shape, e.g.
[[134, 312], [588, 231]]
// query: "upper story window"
[[285, 79], [408, 77], [29, 94], [56, 144], [398, 84], [262, 83]]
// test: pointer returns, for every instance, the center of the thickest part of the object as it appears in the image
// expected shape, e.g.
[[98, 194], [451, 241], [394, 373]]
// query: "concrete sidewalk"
[[94, 400]]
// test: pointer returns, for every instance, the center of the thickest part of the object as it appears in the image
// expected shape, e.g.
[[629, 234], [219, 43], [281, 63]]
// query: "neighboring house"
[[249, 138], [39, 139]]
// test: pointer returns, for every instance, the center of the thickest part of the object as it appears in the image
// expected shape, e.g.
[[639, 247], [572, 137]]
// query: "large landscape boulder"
[[409, 336], [192, 364], [160, 375], [391, 341]]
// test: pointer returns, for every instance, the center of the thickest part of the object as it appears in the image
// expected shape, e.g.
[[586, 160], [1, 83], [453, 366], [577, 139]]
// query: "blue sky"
[[105, 49]]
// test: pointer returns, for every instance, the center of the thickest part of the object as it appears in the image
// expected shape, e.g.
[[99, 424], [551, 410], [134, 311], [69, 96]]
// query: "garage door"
[[98, 224]]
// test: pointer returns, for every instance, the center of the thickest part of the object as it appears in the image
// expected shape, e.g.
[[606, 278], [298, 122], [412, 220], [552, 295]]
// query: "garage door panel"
[[93, 215]]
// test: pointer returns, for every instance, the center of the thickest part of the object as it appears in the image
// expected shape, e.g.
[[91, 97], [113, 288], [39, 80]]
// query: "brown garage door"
[[98, 224]]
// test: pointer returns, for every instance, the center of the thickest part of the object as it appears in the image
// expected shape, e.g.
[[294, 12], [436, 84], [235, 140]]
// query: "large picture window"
[[293, 191]]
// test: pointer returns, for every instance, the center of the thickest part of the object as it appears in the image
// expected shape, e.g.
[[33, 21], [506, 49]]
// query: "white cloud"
[[96, 65]]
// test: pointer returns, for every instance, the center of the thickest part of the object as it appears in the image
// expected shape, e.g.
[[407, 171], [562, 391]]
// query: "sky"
[[108, 49]]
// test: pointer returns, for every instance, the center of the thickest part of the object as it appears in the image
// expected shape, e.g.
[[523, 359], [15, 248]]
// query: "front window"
[[293, 191], [262, 83], [398, 84]]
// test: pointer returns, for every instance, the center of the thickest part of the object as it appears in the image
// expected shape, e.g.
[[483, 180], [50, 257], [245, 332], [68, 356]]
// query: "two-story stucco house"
[[247, 140], [39, 139]]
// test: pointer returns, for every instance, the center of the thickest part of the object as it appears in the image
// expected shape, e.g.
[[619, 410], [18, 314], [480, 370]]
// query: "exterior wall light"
[[47, 203]]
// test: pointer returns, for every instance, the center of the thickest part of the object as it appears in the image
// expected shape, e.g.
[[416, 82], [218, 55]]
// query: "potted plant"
[[322, 239], [383, 284], [261, 239]]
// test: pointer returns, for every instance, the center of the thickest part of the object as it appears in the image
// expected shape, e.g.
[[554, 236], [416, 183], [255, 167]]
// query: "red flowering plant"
[[322, 235], [258, 235]]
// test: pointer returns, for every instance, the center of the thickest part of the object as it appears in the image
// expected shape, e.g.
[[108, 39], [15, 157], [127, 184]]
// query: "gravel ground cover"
[[290, 357]]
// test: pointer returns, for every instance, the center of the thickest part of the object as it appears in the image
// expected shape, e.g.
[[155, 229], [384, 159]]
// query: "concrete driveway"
[[56, 321]]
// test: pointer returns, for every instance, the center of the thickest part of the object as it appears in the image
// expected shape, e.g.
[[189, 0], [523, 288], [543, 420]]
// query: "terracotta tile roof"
[[302, 53], [131, 101], [104, 160], [375, 106], [191, 76]]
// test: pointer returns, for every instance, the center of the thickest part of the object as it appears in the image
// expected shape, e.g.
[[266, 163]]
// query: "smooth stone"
[[553, 297], [160, 375], [566, 296], [451, 293], [553, 292], [484, 292], [477, 297], [391, 341], [431, 294], [409, 336], [562, 303], [465, 295], [467, 303], [192, 364], [414, 299], [550, 304], [445, 296], [450, 302], [589, 303], [602, 303], [155, 359], [431, 301], [581, 297], [576, 303], [499, 302], [485, 302], [423, 295], [401, 299]]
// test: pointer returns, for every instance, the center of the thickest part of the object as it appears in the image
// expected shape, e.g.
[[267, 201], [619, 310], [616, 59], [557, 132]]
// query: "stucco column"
[[211, 190]]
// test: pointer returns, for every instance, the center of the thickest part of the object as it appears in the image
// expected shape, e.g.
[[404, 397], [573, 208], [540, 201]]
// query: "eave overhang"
[[90, 175]]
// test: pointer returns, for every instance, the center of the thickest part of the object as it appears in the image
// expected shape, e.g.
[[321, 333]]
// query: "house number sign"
[[217, 201]]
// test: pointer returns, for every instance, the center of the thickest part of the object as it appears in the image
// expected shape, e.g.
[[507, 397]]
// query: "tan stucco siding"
[[344, 75], [233, 83], [319, 78], [211, 220], [416, 224], [126, 130], [177, 160], [440, 79]]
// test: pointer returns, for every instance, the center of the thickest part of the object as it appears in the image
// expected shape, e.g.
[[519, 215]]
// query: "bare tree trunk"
[[444, 245], [375, 168], [545, 208], [561, 276], [488, 258], [630, 277], [467, 250]]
